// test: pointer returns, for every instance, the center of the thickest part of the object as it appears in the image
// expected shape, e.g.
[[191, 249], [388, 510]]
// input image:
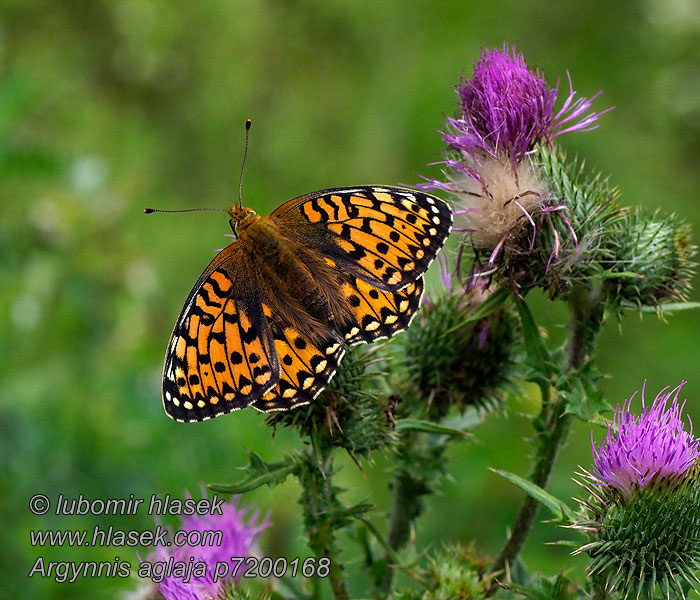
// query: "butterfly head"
[[241, 217]]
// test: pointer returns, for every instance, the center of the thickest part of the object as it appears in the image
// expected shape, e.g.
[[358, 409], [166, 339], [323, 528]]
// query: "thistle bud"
[[450, 362], [455, 572], [655, 255]]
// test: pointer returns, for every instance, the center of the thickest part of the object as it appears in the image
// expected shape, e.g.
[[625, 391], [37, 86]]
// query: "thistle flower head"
[[507, 108], [454, 359], [642, 516], [239, 533], [656, 254], [504, 107], [639, 449]]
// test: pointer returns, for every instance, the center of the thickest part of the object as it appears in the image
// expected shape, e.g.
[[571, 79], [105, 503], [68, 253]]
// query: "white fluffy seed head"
[[493, 203]]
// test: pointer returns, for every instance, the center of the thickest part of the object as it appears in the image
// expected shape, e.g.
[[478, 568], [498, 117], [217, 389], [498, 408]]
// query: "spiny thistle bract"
[[234, 592], [351, 412], [656, 252], [642, 515], [572, 240], [652, 540], [466, 366]]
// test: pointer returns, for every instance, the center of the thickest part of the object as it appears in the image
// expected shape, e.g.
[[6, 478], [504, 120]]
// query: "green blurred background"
[[107, 107]]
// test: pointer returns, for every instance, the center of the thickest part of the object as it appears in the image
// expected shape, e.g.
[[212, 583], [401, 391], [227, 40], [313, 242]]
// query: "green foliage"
[[259, 473], [557, 587], [560, 510]]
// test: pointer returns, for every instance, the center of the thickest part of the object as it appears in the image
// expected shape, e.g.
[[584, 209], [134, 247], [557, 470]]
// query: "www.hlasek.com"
[[159, 538]]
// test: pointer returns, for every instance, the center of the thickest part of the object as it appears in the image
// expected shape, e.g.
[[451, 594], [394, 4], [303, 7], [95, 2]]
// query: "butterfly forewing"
[[387, 236], [221, 353]]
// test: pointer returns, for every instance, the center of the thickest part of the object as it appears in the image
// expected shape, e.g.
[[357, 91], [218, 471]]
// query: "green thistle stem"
[[586, 318], [319, 502], [406, 507], [548, 443], [419, 463]]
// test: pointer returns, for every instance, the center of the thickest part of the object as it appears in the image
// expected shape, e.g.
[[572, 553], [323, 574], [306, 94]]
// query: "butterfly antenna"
[[148, 211], [248, 123]]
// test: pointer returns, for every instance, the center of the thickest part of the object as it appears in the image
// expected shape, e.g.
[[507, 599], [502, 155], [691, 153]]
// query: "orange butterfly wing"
[[305, 369], [221, 353], [386, 236]]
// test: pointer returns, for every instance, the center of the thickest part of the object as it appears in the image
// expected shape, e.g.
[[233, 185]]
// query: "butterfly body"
[[308, 287], [267, 322]]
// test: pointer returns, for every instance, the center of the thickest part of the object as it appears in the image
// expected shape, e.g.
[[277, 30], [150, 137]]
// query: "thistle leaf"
[[259, 473], [559, 509], [428, 427]]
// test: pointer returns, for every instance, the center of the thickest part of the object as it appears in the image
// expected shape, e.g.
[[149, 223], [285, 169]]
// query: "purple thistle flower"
[[508, 108], [238, 537], [651, 446], [501, 191], [505, 111]]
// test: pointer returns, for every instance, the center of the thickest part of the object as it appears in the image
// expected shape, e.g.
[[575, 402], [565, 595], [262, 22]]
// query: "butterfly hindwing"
[[221, 354], [387, 236], [379, 314], [306, 367]]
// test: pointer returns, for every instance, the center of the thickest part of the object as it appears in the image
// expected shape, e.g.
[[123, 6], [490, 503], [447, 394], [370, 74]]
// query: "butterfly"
[[269, 320]]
